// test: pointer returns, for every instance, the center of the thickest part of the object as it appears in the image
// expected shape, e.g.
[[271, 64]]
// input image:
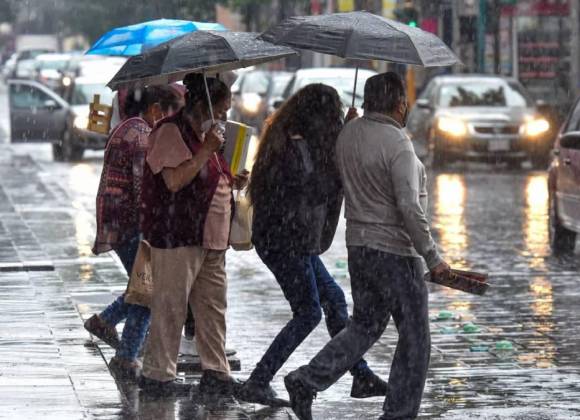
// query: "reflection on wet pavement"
[[517, 359]]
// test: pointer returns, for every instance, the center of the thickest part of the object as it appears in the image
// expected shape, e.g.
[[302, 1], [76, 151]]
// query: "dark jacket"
[[297, 211]]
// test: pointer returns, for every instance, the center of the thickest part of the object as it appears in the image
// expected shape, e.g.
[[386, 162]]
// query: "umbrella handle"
[[354, 89], [208, 98]]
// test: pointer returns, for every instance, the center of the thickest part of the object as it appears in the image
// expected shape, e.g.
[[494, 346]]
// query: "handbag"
[[241, 229], [140, 287]]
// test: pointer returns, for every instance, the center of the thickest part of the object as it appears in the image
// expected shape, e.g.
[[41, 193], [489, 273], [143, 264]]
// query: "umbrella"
[[362, 36], [203, 52], [134, 39]]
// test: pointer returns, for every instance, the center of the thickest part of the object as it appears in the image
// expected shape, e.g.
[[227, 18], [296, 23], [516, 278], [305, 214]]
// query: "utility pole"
[[574, 47], [481, 30]]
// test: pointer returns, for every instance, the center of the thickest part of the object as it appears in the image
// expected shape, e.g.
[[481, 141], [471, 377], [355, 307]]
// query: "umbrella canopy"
[[134, 39], [202, 52], [362, 36]]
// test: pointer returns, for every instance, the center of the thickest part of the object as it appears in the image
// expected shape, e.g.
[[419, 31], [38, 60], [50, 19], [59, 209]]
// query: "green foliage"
[[95, 17]]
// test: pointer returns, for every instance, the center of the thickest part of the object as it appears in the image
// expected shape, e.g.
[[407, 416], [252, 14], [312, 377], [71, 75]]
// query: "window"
[[574, 123], [27, 97], [493, 93], [256, 82]]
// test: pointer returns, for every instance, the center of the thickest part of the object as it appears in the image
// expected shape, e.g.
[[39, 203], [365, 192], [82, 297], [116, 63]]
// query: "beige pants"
[[180, 275]]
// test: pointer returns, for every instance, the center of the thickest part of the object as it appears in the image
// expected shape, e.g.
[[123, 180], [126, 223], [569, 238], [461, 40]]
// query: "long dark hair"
[[315, 113]]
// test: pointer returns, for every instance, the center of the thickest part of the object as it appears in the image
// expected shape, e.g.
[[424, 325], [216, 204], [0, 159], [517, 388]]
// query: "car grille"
[[506, 129]]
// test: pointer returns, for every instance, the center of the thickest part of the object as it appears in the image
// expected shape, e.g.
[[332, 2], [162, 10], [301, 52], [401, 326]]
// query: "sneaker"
[[301, 397], [125, 369], [155, 388], [368, 385], [100, 329], [218, 383], [254, 392]]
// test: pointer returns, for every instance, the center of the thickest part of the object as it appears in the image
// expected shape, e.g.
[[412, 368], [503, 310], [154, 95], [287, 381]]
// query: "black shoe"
[[301, 397], [164, 389], [255, 392], [216, 383], [368, 385], [124, 369]]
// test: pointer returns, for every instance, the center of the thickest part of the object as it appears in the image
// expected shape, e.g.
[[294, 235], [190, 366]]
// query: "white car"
[[342, 79]]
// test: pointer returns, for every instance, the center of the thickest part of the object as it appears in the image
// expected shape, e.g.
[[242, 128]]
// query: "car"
[[36, 112], [479, 117], [340, 78], [564, 185], [21, 64], [49, 69], [254, 94], [77, 137]]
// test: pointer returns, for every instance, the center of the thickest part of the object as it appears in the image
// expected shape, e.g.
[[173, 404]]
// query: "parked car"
[[39, 114], [342, 79], [564, 185], [49, 69], [77, 138], [36, 112], [254, 94], [479, 117], [21, 64]]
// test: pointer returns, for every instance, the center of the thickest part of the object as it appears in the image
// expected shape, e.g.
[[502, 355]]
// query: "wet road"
[[484, 218]]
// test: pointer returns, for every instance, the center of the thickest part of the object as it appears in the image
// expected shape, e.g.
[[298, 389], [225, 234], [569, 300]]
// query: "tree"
[[93, 18]]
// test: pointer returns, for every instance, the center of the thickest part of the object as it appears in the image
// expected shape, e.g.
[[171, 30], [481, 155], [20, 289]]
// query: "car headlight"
[[81, 121], [535, 127], [251, 102], [452, 126]]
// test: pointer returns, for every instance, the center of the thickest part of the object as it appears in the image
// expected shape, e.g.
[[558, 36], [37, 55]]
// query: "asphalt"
[[484, 218]]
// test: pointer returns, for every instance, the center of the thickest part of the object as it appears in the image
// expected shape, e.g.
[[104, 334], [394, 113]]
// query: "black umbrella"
[[362, 36], [206, 52]]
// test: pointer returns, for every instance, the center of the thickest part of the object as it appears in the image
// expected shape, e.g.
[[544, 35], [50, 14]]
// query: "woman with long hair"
[[297, 195]]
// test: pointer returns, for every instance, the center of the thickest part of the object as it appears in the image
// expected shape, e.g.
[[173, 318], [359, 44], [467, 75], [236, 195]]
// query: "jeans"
[[383, 285], [310, 290], [137, 317]]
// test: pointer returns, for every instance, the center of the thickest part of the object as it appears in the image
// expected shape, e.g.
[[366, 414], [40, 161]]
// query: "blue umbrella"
[[134, 39]]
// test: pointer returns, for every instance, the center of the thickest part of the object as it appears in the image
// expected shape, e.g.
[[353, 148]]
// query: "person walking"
[[118, 201], [297, 196], [187, 207], [387, 230]]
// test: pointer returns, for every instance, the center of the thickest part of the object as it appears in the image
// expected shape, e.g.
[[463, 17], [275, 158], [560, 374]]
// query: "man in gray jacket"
[[387, 232]]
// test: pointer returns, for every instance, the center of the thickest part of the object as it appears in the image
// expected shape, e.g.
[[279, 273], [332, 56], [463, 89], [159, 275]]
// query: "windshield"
[[483, 93], [83, 94], [52, 65], [343, 83], [280, 83]]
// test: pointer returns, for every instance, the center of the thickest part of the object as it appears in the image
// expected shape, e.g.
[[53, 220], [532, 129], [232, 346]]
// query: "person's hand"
[[241, 180], [351, 114], [213, 140], [440, 270]]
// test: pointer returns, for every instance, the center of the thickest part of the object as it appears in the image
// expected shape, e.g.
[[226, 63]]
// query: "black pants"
[[383, 285]]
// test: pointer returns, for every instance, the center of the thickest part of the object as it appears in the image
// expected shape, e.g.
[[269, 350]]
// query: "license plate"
[[499, 145]]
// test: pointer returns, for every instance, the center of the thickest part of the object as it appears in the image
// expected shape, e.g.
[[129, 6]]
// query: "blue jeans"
[[383, 286], [137, 316], [310, 290]]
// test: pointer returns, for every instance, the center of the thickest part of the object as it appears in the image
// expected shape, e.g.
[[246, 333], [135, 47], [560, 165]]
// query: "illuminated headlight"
[[535, 127], [452, 126], [251, 102], [66, 81], [81, 121]]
